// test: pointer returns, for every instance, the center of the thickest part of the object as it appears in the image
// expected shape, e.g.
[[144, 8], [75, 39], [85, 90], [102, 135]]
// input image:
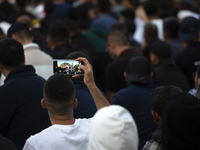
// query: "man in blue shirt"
[[137, 96]]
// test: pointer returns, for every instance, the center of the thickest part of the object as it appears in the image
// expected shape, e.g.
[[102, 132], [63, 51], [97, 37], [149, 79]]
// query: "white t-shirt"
[[61, 137]]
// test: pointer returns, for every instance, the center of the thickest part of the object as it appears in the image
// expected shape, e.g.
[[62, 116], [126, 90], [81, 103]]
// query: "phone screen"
[[67, 66]]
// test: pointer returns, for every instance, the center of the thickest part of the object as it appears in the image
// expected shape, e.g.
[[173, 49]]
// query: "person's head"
[[170, 28], [189, 30], [59, 96], [118, 125], [116, 43], [76, 54], [138, 70], [126, 14], [197, 77], [151, 8], [49, 7], [20, 32], [161, 52], [150, 32], [25, 19], [58, 34], [104, 5], [131, 4], [158, 99], [180, 123], [11, 55], [73, 27]]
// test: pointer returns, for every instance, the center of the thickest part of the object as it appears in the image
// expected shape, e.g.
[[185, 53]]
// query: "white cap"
[[186, 13], [113, 128]]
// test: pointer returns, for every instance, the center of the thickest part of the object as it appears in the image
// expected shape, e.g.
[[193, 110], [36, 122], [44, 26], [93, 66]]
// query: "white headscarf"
[[113, 128]]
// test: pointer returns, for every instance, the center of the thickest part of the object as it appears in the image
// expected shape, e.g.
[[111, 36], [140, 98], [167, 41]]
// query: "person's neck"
[[120, 50], [62, 120], [26, 42], [153, 17]]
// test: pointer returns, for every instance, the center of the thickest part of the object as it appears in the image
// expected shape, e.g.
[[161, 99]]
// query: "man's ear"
[[198, 81], [75, 104], [157, 118], [43, 104], [125, 76]]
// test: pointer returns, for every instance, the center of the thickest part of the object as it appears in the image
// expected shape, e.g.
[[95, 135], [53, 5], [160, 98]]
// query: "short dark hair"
[[118, 38], [24, 35], [151, 8], [161, 95], [11, 53], [151, 30], [128, 13], [59, 94], [104, 5], [58, 32], [171, 27]]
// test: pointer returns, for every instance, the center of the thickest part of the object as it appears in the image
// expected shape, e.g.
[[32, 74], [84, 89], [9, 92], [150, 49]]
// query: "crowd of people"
[[141, 84]]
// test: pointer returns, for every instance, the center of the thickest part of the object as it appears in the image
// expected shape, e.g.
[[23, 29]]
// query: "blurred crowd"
[[142, 57]]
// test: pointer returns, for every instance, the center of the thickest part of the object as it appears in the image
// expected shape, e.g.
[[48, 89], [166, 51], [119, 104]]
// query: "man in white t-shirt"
[[59, 100]]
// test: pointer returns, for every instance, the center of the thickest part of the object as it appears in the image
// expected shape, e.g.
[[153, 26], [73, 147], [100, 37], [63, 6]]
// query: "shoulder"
[[152, 145]]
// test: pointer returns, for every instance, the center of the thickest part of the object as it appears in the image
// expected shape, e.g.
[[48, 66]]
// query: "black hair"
[[11, 53], [128, 14], [104, 5], [72, 25], [151, 30], [58, 32], [161, 95], [118, 38], [59, 94], [171, 27], [135, 3], [151, 8], [22, 3], [49, 7]]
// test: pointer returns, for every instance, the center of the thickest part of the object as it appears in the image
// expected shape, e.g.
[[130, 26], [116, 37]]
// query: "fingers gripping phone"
[[67, 66]]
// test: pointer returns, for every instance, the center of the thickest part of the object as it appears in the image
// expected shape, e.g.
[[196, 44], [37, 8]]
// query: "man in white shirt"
[[59, 100], [42, 62]]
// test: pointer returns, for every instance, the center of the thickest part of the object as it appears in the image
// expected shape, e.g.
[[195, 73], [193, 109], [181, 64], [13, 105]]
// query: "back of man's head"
[[59, 95], [138, 70], [118, 38], [151, 8], [189, 29], [21, 31], [150, 31], [171, 27], [11, 53], [104, 5], [163, 51], [161, 95], [58, 33]]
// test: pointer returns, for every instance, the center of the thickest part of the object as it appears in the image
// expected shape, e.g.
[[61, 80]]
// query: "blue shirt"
[[86, 106], [137, 100], [104, 22]]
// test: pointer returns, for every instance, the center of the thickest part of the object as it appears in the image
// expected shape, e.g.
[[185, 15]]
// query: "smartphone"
[[67, 66]]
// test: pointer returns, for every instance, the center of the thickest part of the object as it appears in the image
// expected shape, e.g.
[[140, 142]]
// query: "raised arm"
[[98, 97]]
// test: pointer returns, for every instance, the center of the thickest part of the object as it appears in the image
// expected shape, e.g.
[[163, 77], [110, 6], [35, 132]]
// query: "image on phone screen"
[[67, 66]]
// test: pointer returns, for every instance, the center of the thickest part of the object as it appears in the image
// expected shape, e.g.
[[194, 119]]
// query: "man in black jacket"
[[21, 114]]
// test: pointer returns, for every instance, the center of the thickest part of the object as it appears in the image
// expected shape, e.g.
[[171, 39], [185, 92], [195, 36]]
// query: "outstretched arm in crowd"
[[98, 97]]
